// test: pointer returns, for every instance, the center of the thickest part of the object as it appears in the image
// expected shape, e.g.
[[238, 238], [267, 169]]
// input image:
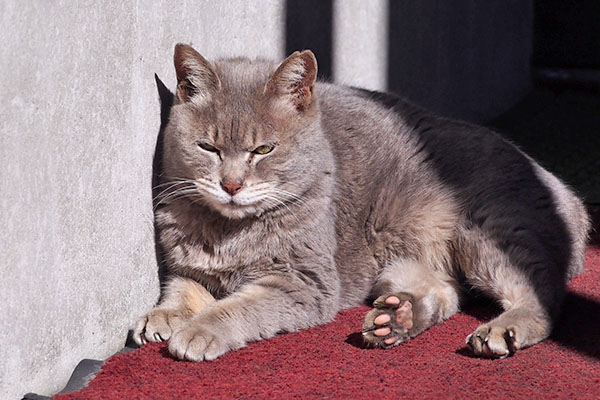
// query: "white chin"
[[234, 211]]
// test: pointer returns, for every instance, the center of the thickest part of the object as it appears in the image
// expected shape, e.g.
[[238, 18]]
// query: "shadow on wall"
[[166, 102], [308, 25]]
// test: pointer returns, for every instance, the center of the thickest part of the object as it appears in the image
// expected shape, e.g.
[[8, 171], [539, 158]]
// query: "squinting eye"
[[208, 147], [263, 149]]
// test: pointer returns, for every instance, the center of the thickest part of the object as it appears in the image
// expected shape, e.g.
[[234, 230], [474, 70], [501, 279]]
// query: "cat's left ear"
[[294, 80], [197, 81]]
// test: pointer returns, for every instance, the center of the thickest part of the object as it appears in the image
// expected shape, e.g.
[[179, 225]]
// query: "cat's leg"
[[526, 283], [182, 299], [283, 299], [410, 298]]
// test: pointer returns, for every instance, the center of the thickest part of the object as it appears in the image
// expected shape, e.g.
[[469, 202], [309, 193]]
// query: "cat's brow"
[[231, 129], [254, 134]]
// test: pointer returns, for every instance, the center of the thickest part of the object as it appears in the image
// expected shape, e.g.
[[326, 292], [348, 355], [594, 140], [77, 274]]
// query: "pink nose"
[[231, 187]]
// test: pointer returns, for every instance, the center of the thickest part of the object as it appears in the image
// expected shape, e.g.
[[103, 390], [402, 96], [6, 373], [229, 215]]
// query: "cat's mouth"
[[252, 200]]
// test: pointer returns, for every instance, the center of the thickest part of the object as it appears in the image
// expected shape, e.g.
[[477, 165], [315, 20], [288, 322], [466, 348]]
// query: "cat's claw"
[[390, 322], [158, 325], [493, 341]]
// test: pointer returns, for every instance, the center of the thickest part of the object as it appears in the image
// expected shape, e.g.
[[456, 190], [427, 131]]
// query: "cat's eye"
[[264, 149], [208, 147]]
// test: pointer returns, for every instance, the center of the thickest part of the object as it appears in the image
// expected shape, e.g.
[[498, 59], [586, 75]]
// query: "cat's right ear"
[[196, 79], [293, 81]]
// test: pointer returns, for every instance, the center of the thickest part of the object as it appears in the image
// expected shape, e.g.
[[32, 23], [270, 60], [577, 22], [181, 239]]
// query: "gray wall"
[[79, 121]]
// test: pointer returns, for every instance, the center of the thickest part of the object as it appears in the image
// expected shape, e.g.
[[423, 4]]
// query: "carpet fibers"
[[328, 362]]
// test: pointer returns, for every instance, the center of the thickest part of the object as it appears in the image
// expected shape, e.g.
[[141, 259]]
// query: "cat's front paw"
[[158, 325], [196, 342], [390, 322]]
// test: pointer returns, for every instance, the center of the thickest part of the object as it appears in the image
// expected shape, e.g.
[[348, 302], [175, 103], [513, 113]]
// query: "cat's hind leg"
[[182, 299], [410, 298], [525, 280]]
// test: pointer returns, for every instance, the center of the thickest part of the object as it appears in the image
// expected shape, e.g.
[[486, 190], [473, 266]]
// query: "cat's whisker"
[[272, 205], [276, 186], [193, 196], [172, 181], [162, 201], [171, 189], [210, 189], [287, 199], [290, 195], [179, 193], [184, 195], [172, 185], [169, 196], [282, 203]]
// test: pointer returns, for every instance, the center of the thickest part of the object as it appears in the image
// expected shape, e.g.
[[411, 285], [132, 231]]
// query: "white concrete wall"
[[79, 118], [360, 43]]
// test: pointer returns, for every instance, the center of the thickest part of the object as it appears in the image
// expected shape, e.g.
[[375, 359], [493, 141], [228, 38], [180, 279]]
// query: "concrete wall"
[[360, 43], [78, 127]]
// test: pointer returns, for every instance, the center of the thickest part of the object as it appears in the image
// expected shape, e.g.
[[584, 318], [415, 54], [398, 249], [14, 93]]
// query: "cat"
[[287, 199]]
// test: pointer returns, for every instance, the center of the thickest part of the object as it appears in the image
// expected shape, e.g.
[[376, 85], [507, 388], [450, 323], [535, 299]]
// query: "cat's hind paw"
[[493, 341], [390, 322]]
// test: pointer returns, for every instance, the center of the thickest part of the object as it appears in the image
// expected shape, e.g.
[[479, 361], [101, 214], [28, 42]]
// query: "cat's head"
[[244, 136]]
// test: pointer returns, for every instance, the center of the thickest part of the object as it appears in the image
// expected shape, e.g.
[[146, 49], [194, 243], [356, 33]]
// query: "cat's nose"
[[231, 187]]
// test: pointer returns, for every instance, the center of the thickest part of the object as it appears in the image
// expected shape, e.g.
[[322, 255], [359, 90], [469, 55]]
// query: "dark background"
[[567, 34]]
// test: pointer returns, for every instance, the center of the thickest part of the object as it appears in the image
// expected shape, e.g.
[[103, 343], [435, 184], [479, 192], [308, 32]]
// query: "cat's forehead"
[[239, 117], [242, 76]]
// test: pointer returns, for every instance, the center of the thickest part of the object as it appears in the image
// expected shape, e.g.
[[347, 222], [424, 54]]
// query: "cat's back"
[[380, 127], [375, 131], [389, 146]]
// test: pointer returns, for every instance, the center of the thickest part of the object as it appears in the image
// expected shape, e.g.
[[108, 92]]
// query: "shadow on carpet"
[[328, 362]]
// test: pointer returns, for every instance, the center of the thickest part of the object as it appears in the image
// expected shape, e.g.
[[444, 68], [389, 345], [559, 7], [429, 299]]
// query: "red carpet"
[[325, 363]]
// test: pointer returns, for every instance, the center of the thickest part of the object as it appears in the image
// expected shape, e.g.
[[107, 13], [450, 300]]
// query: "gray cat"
[[286, 200]]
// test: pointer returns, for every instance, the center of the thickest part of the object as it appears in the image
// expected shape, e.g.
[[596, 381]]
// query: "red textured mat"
[[324, 362]]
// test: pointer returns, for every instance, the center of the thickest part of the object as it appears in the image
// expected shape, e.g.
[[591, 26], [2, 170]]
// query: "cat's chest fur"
[[215, 251]]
